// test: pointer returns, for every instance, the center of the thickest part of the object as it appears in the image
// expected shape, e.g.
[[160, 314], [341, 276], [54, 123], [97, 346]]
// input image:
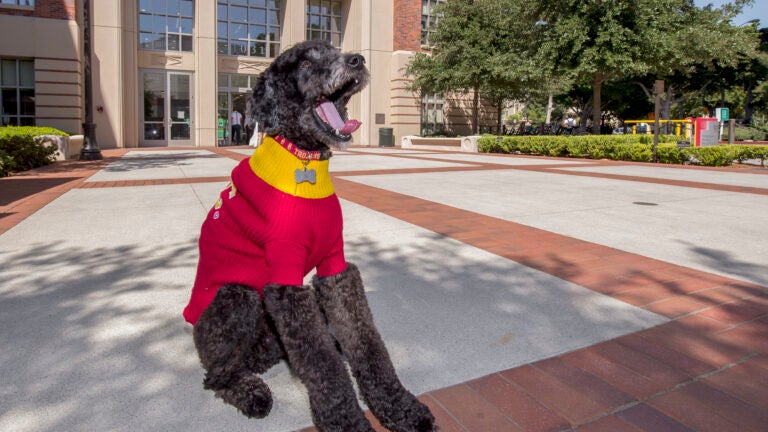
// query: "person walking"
[[248, 125], [569, 124], [236, 121]]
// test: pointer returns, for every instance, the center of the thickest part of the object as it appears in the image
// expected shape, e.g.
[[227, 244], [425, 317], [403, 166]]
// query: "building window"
[[428, 19], [432, 118], [248, 27], [324, 21], [166, 25], [17, 92], [29, 3]]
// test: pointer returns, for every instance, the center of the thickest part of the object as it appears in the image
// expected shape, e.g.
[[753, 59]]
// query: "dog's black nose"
[[356, 61]]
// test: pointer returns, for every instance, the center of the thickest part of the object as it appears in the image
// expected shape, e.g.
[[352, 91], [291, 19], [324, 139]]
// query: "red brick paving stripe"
[[611, 423], [471, 410], [558, 169], [567, 401], [642, 363], [600, 268], [716, 351], [753, 334], [702, 324], [675, 359], [649, 419], [590, 385], [747, 381], [745, 416], [514, 403], [629, 381], [174, 181], [443, 418], [737, 312], [685, 408], [42, 185], [226, 152], [668, 182]]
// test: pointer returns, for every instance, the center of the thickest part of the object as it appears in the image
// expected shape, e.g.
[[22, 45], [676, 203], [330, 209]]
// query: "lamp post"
[[90, 150]]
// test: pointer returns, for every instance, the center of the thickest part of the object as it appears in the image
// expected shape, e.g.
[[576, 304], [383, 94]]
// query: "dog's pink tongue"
[[334, 119]]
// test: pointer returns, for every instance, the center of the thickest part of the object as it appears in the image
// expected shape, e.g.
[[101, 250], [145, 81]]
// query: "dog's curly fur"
[[342, 298], [239, 336], [235, 344]]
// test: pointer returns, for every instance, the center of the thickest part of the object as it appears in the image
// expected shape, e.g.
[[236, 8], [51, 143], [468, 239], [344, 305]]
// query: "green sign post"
[[721, 114]]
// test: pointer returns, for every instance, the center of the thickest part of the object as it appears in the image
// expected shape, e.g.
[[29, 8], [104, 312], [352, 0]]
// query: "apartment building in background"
[[168, 72]]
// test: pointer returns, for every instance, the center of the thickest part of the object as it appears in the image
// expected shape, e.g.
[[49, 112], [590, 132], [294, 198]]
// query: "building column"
[[205, 78], [107, 63], [406, 106], [129, 75], [294, 23]]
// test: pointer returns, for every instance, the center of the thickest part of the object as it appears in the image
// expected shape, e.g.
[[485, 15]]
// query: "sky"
[[758, 10]]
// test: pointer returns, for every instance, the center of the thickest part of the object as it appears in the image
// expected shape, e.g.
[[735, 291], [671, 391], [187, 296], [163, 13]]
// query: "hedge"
[[636, 148], [19, 150]]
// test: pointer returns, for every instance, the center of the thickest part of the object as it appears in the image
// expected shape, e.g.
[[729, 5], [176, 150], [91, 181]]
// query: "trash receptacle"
[[386, 139]]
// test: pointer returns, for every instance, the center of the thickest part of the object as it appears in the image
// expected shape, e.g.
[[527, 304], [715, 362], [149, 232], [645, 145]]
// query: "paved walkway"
[[514, 293]]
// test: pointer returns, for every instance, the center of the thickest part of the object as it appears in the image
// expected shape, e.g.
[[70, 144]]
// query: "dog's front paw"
[[249, 394], [409, 415], [420, 419]]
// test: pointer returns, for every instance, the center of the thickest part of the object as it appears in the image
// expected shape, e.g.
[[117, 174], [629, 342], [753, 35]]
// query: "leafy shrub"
[[20, 151], [670, 154], [637, 148], [712, 156], [748, 133], [745, 152], [5, 164]]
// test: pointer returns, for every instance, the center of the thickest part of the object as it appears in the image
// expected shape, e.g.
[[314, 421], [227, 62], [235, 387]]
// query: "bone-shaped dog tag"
[[305, 175]]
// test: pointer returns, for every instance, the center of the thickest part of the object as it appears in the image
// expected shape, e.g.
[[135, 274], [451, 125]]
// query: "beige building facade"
[[168, 72]]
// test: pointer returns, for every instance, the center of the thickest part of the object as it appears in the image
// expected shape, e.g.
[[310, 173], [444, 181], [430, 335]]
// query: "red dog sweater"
[[272, 224]]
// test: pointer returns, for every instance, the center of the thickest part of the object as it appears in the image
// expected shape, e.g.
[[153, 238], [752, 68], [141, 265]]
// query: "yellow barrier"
[[682, 127]]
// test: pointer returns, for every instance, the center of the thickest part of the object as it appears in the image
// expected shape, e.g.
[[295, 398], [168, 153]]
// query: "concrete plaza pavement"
[[633, 294]]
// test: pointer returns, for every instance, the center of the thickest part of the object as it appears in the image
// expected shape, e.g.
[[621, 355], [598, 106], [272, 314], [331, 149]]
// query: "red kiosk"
[[707, 132]]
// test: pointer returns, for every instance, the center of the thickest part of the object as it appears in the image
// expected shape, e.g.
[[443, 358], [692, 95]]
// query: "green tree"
[[599, 41], [606, 40], [707, 53], [482, 48]]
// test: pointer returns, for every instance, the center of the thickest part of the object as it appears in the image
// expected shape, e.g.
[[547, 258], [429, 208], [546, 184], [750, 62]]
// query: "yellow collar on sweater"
[[277, 166]]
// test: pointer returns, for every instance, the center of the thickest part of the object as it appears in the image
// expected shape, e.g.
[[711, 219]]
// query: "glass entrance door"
[[166, 109]]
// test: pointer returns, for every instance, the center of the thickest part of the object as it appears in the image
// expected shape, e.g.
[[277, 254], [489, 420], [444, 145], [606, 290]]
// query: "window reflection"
[[17, 92], [324, 21], [166, 25], [248, 27]]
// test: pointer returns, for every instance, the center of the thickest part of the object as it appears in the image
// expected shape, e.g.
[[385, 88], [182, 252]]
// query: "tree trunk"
[[549, 109], [748, 103], [597, 85], [475, 111], [499, 109]]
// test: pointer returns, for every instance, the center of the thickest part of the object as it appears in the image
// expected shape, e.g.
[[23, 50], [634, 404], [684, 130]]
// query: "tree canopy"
[[515, 49], [480, 47]]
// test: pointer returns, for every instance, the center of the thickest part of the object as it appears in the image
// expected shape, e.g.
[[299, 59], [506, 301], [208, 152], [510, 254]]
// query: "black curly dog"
[[240, 335]]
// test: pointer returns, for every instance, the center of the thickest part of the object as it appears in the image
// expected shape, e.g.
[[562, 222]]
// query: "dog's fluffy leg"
[[235, 344], [314, 358], [343, 300]]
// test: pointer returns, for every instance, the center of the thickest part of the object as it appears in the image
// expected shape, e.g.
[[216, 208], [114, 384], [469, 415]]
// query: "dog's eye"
[[305, 64]]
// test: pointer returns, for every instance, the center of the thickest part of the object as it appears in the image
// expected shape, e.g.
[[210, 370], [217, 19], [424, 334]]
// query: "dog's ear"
[[265, 103]]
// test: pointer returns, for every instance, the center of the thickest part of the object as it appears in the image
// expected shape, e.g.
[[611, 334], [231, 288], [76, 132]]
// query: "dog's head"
[[303, 95]]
